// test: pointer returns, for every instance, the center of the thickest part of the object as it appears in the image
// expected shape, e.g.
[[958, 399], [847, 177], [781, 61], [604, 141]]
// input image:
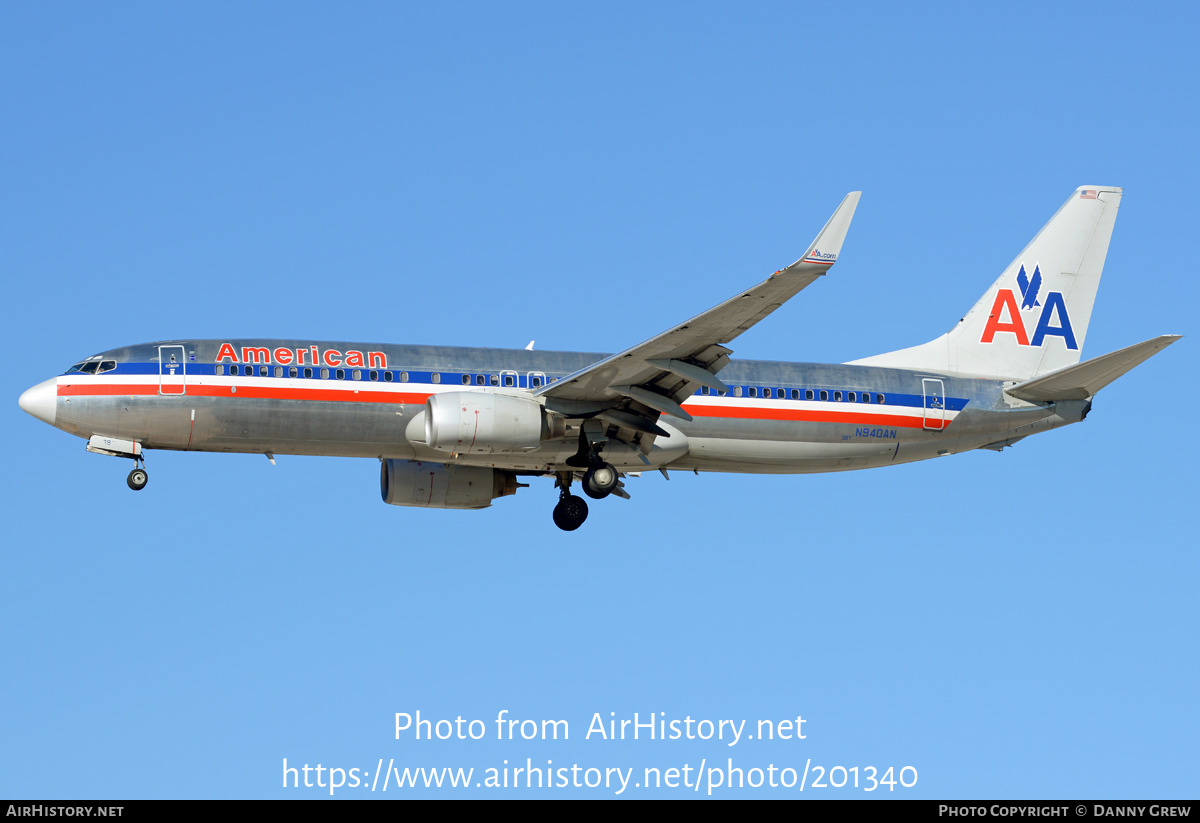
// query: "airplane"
[[458, 428]]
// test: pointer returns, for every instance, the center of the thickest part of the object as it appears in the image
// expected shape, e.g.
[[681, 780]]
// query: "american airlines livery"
[[456, 428]]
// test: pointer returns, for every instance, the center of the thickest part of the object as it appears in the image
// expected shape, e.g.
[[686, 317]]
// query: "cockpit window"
[[90, 365], [106, 365]]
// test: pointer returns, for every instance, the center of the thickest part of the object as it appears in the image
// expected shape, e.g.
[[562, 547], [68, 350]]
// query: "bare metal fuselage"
[[370, 400]]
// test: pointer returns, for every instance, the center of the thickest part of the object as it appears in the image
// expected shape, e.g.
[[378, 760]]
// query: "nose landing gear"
[[137, 479], [115, 447]]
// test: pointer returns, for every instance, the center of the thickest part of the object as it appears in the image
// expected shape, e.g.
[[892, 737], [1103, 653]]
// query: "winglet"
[[825, 249]]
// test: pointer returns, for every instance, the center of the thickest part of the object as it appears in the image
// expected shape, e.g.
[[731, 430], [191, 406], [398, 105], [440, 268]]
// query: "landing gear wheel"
[[600, 480], [570, 512], [137, 479]]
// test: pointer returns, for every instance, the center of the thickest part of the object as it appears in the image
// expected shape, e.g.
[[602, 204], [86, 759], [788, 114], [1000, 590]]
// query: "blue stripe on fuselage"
[[453, 379]]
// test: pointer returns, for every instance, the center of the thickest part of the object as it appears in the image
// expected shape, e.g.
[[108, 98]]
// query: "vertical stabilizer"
[[1034, 319]]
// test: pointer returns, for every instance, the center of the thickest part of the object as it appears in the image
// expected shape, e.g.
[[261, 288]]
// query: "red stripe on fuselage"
[[813, 416], [338, 395], [246, 391]]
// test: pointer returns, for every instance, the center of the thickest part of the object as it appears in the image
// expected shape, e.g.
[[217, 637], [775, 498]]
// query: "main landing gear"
[[599, 481], [570, 512]]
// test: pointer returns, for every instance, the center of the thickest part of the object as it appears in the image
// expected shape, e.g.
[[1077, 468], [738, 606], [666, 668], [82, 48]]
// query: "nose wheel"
[[137, 478]]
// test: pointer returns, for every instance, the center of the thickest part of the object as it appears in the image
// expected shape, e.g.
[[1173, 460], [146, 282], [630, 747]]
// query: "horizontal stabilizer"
[[1083, 380]]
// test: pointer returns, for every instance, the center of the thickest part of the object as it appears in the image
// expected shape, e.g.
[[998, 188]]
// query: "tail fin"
[[1034, 319]]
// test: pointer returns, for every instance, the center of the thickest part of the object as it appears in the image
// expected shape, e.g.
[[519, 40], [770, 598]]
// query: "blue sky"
[[1009, 625]]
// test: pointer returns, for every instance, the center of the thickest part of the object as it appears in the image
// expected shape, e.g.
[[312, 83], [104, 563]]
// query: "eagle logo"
[[1029, 287]]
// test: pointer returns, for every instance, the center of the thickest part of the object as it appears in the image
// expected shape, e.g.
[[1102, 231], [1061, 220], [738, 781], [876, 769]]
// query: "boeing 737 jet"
[[457, 428]]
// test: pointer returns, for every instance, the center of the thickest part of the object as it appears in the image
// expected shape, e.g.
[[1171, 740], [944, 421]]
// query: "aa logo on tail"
[[1029, 288], [1005, 317]]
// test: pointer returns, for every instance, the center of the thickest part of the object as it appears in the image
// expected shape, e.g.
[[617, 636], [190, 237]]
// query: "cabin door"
[[172, 370], [935, 403]]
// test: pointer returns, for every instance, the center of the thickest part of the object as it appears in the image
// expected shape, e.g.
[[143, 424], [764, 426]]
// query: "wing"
[[631, 388]]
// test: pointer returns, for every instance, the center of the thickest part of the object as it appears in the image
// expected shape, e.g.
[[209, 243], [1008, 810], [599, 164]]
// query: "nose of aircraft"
[[41, 400]]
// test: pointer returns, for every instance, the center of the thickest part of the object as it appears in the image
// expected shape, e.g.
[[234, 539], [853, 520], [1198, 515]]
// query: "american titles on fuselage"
[[310, 356]]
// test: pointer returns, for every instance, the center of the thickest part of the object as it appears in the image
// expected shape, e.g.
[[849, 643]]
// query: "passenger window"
[[262, 371], [837, 395], [233, 370], [495, 380], [737, 391], [753, 391], [766, 392], [374, 375], [220, 369], [387, 377], [307, 372], [340, 374], [852, 397], [279, 371], [293, 372], [824, 394], [537, 381], [795, 394], [403, 377], [866, 397], [704, 390], [435, 378], [466, 379], [480, 380], [879, 399], [356, 374], [324, 374]]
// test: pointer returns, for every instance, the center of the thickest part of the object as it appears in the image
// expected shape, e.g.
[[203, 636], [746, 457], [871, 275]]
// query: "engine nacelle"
[[487, 423], [438, 486]]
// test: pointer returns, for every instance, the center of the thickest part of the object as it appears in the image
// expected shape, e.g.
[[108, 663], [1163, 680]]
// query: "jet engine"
[[487, 423], [438, 486]]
